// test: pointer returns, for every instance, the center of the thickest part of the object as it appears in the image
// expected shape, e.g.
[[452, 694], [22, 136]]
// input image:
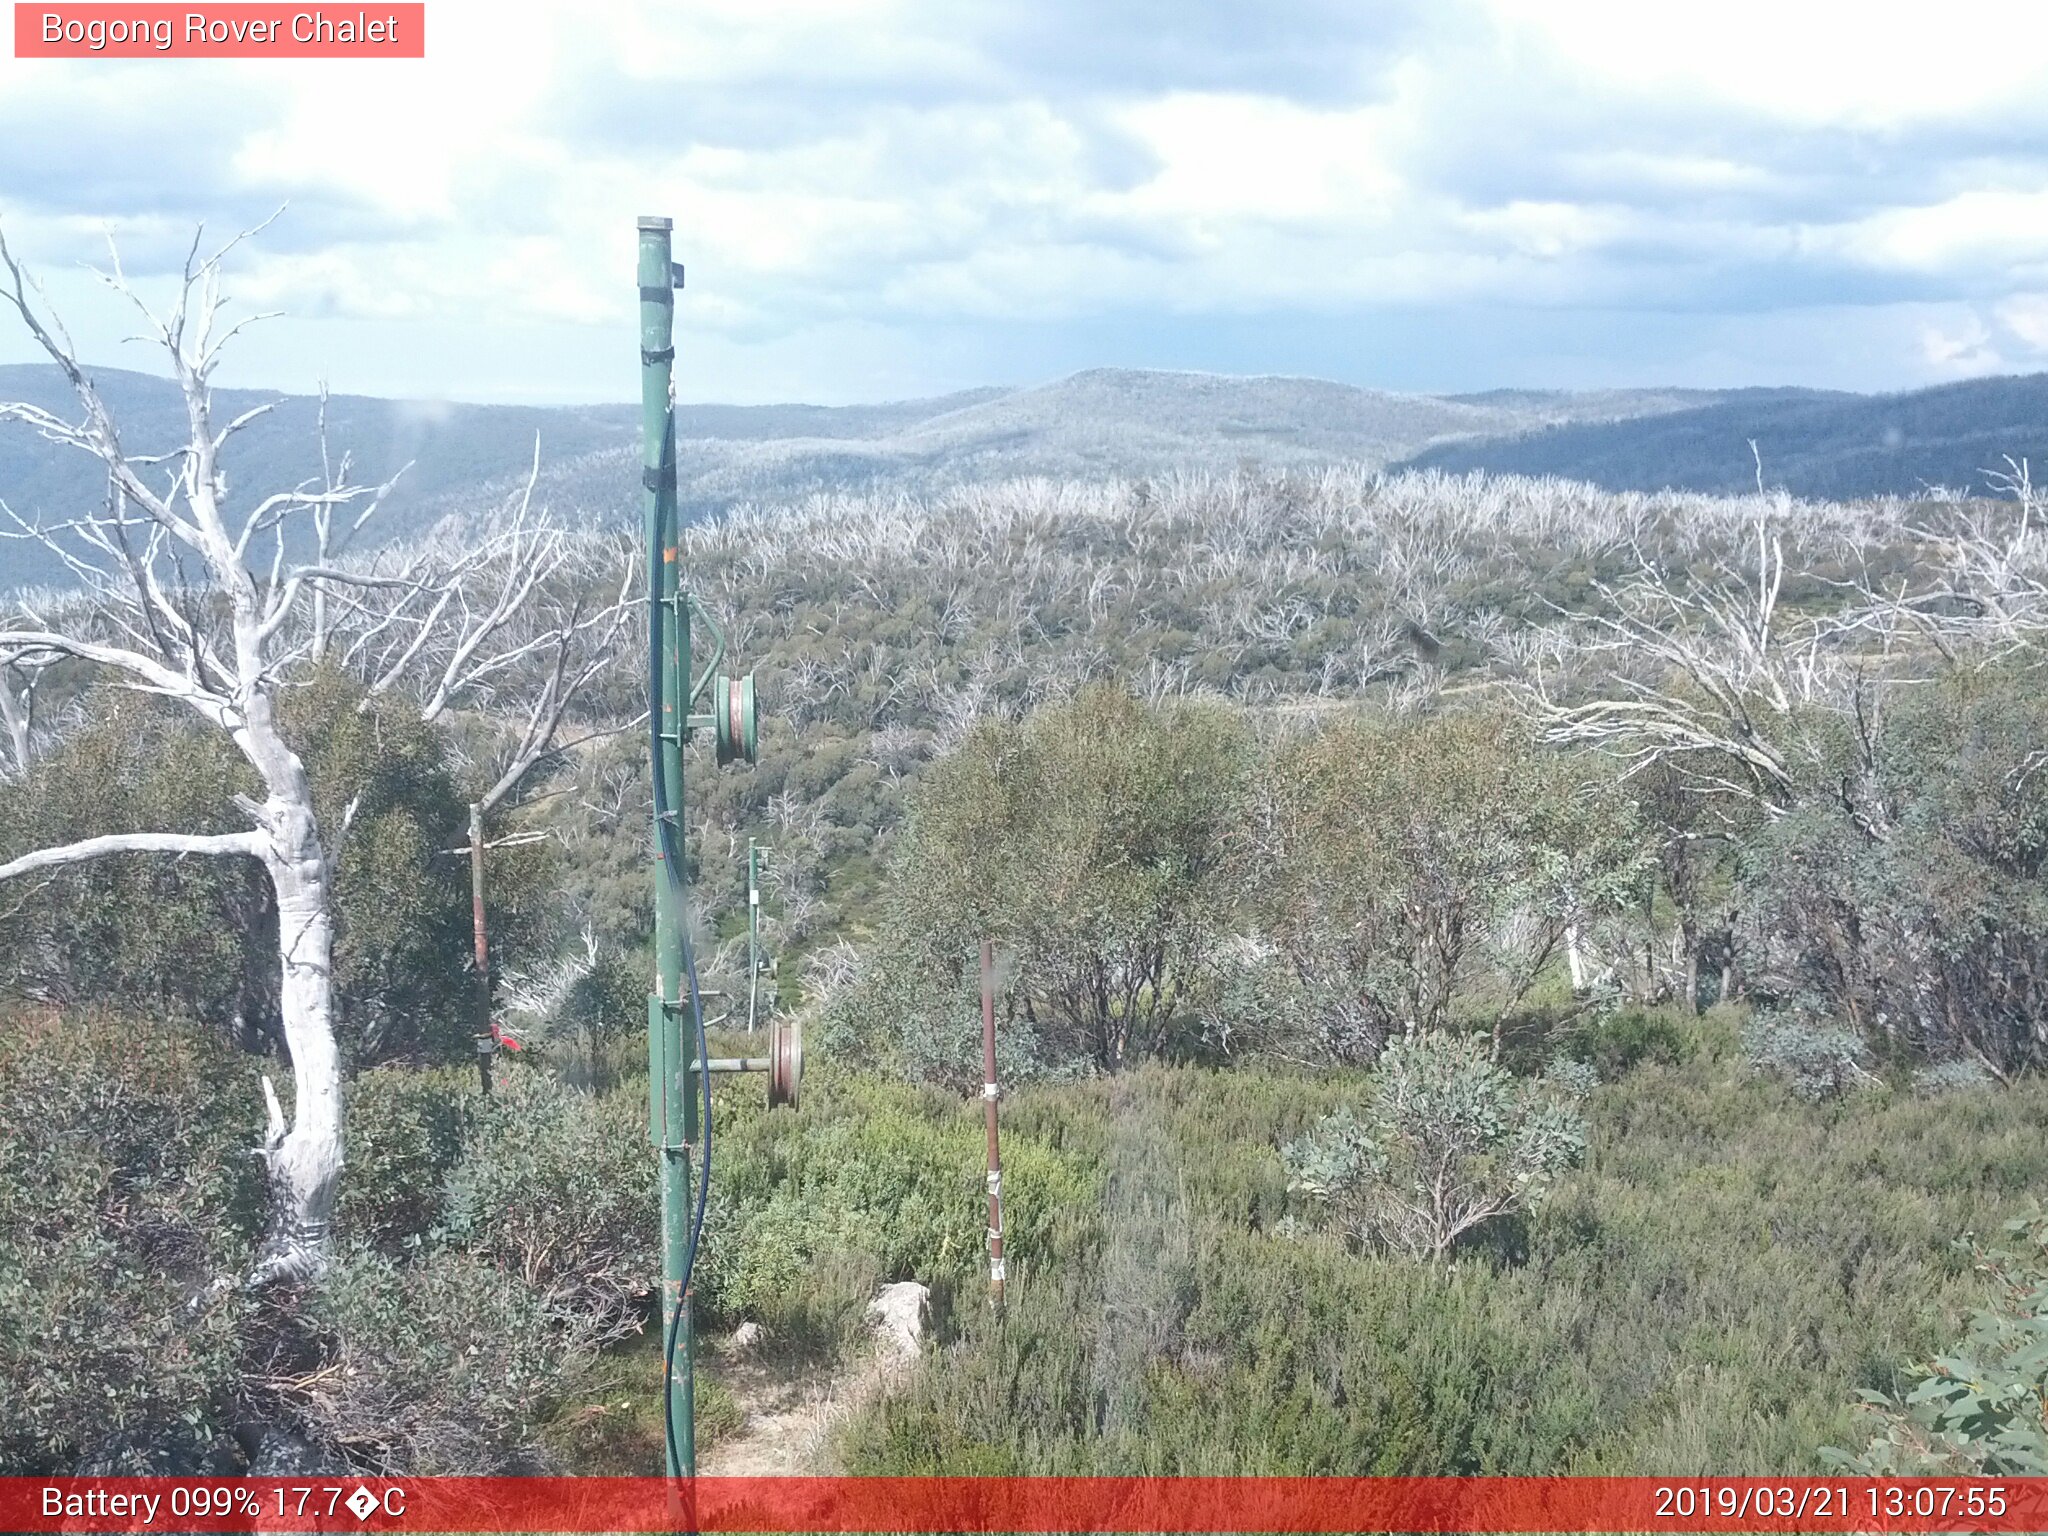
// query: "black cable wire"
[[672, 868]]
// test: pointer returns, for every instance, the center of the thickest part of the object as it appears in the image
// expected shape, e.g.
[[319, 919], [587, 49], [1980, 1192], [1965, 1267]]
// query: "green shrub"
[[126, 1192], [1086, 841], [1446, 1142], [1959, 1074], [870, 1182], [1409, 874], [198, 937], [1816, 1057], [557, 1189], [1703, 1294], [1617, 1040], [443, 1365], [404, 1131], [1904, 897]]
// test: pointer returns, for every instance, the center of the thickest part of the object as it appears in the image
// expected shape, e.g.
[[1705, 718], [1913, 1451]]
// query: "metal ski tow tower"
[[680, 1068]]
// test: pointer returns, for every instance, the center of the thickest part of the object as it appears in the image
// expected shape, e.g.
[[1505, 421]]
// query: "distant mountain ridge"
[[1095, 423], [1816, 444], [1100, 422]]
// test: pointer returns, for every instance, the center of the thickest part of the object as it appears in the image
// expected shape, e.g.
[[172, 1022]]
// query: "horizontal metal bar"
[[734, 1064]]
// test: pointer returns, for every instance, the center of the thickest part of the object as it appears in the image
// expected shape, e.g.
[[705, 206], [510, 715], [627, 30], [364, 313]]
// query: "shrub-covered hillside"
[[1492, 977]]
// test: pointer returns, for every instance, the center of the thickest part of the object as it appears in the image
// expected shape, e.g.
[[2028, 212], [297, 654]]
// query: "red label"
[[231, 31], [1728, 1506]]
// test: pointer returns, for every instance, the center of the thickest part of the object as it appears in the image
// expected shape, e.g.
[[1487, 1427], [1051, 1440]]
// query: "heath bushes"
[[126, 1192], [1706, 1293], [444, 1365], [1087, 841], [1980, 1409], [1405, 871], [557, 1188]]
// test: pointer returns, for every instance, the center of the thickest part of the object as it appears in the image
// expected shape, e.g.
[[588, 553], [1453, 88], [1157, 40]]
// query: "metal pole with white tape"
[[990, 1093]]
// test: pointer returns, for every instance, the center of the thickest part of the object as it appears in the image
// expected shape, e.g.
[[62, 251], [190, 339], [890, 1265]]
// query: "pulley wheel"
[[785, 1062], [736, 722]]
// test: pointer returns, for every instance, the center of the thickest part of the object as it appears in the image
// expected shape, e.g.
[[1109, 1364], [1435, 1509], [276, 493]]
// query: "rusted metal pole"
[[989, 1094], [483, 952]]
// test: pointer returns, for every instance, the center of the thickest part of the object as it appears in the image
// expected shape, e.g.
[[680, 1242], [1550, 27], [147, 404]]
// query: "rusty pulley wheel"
[[735, 720], [785, 1063]]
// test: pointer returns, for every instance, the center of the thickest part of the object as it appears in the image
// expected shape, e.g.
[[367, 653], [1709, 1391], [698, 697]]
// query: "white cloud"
[[1963, 351], [2026, 316], [921, 166], [1802, 63]]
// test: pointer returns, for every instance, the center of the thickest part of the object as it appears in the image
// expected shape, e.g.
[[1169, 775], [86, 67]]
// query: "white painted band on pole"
[[995, 1269], [995, 1181], [991, 1091]]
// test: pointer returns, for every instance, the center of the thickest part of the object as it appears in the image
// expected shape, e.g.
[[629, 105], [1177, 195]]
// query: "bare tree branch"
[[220, 845]]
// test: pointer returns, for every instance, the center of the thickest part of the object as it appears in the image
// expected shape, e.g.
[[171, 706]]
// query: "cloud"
[[2025, 315], [1963, 351], [936, 173]]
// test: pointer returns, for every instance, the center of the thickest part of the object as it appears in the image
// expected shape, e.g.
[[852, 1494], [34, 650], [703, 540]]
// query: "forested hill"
[[1104, 422], [1819, 445], [1100, 424]]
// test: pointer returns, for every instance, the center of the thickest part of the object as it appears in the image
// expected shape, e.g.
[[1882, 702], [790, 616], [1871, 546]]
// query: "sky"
[[881, 199]]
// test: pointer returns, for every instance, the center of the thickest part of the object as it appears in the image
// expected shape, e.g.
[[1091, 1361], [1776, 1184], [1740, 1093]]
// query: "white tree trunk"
[[1575, 960], [305, 1160]]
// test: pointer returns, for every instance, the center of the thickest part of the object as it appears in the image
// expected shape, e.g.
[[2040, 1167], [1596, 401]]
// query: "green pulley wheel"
[[737, 724]]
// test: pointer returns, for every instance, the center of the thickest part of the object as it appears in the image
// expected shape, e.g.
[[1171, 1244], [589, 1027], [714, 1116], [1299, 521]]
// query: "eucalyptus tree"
[[220, 602]]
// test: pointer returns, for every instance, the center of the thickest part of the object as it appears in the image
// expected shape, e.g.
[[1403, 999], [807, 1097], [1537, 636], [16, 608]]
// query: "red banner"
[[221, 31], [1021, 1504]]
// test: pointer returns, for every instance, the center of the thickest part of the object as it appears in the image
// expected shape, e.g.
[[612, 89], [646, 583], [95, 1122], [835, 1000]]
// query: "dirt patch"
[[791, 1417]]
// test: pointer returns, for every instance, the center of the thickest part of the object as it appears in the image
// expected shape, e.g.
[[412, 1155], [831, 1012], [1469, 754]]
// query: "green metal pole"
[[672, 1104]]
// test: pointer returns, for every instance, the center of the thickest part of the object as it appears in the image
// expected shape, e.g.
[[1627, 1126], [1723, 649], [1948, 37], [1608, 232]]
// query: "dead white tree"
[[1709, 675], [1702, 675], [1980, 583], [181, 597], [19, 680]]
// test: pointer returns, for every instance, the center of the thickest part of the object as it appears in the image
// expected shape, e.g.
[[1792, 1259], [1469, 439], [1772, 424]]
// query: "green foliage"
[[1906, 898], [557, 1188], [441, 1365], [1981, 1408], [1956, 1075], [1817, 1057], [137, 930], [1446, 1142], [404, 1130], [126, 1189], [1158, 886], [489, 1254], [402, 898], [1704, 1294], [868, 1182], [1405, 872], [452, 1347], [198, 937], [1086, 841], [1614, 1041]]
